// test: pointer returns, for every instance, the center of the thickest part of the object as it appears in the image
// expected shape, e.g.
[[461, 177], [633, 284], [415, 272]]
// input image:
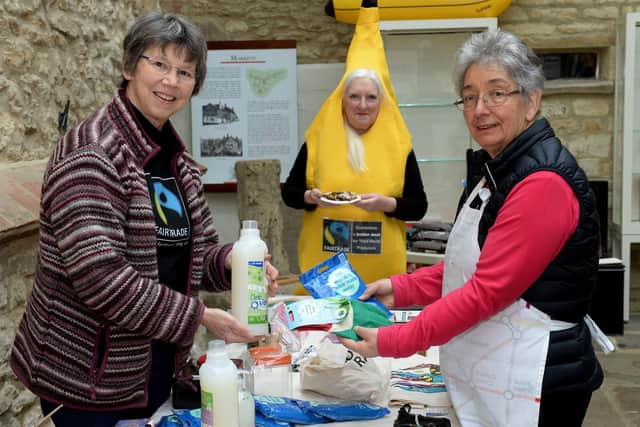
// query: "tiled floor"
[[617, 402]]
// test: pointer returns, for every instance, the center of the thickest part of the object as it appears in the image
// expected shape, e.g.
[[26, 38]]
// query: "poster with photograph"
[[247, 107]]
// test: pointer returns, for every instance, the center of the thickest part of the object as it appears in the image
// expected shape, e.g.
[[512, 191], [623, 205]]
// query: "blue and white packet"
[[336, 277], [285, 409], [345, 411], [181, 418], [262, 421]]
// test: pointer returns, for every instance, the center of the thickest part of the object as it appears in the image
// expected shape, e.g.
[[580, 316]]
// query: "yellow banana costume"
[[377, 243]]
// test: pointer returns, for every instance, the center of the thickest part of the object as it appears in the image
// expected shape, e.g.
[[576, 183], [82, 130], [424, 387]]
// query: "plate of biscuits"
[[340, 197]]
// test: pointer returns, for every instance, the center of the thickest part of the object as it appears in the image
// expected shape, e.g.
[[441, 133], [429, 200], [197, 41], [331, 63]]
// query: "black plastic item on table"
[[183, 396], [407, 419]]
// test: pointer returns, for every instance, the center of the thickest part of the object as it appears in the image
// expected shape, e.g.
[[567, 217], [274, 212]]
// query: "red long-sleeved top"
[[534, 223]]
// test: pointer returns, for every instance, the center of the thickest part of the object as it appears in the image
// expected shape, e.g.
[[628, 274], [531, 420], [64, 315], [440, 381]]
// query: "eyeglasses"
[[164, 69], [493, 98]]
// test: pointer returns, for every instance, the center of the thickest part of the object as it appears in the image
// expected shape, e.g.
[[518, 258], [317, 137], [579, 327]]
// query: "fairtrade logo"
[[164, 198]]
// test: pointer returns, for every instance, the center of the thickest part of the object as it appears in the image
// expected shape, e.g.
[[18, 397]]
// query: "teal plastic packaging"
[[336, 277]]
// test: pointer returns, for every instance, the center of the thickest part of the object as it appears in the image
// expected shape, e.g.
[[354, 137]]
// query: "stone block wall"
[[319, 38], [18, 407], [54, 51]]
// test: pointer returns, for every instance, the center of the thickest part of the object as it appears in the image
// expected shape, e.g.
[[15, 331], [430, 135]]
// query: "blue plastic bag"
[[344, 411], [262, 421], [181, 418], [285, 409]]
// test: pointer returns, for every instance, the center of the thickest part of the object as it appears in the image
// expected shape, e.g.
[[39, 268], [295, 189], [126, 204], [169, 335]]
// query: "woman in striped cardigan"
[[126, 242]]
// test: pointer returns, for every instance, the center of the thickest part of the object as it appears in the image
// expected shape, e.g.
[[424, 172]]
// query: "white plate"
[[340, 202]]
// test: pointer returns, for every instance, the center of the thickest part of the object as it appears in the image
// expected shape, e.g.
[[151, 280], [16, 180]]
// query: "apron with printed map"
[[494, 370]]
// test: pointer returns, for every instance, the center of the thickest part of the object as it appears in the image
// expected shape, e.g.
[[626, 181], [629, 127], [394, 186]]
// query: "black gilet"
[[565, 288]]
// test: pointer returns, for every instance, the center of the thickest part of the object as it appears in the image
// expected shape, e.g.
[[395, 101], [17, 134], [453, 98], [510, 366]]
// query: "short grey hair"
[[366, 73], [163, 29], [504, 49]]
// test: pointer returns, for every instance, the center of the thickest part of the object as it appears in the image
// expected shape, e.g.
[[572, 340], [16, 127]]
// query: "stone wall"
[[54, 51], [18, 406], [319, 38]]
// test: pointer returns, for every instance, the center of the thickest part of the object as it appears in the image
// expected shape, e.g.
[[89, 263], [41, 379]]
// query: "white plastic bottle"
[[248, 285], [246, 403], [219, 388]]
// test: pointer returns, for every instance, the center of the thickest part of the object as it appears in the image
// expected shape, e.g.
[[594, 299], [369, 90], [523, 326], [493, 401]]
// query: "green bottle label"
[[206, 414]]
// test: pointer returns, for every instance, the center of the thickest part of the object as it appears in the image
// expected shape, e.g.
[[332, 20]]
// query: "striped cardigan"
[[96, 289]]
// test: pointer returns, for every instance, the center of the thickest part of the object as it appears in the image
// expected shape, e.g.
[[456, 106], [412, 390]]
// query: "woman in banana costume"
[[358, 142]]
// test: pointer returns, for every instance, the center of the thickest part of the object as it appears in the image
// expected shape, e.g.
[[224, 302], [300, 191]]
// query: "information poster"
[[246, 109]]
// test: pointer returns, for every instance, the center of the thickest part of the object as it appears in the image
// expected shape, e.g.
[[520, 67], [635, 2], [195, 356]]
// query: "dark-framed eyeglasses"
[[493, 98], [163, 68]]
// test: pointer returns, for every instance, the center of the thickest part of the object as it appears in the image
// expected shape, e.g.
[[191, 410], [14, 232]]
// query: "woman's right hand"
[[314, 197], [226, 327], [382, 290]]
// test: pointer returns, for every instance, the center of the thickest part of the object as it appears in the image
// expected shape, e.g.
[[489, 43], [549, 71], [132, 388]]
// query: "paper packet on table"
[[340, 373], [336, 277]]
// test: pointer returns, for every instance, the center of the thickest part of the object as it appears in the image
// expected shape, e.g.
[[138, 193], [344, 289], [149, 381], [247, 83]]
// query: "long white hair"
[[355, 147]]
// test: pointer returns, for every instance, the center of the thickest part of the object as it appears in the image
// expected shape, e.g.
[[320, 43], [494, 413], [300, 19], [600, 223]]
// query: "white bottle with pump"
[[219, 388], [248, 285]]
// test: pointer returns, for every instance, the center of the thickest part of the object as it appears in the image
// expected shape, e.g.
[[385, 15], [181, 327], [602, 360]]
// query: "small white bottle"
[[219, 388], [246, 403], [248, 285]]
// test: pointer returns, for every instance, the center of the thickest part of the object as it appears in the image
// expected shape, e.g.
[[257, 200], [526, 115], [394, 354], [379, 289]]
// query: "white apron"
[[493, 371]]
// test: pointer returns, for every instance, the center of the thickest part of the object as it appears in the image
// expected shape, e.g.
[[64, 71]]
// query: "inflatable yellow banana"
[[347, 10]]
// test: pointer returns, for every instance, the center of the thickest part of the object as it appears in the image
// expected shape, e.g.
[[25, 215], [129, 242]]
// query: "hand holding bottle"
[[252, 276], [270, 272]]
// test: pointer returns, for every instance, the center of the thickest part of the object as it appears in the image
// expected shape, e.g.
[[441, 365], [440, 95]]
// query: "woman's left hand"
[[368, 347], [372, 202]]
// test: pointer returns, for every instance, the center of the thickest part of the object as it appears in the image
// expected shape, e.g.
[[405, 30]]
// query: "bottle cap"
[[217, 348], [249, 224]]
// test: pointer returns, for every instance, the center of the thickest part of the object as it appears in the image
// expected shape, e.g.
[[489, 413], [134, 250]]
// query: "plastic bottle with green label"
[[248, 285], [219, 388]]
